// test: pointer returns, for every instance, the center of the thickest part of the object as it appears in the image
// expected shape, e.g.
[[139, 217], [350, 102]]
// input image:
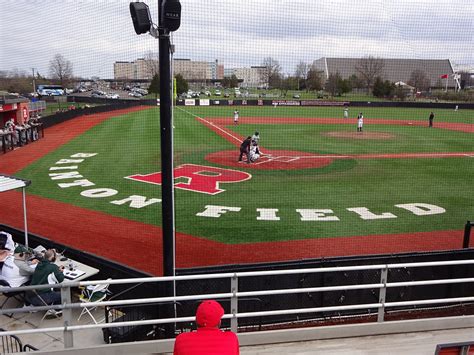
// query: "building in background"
[[394, 70], [144, 69], [253, 77]]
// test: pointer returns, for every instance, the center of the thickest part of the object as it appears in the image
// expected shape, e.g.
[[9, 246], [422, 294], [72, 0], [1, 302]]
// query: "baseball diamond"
[[318, 189]]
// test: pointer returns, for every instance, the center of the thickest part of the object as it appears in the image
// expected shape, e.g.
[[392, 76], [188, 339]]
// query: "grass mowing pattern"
[[129, 144]]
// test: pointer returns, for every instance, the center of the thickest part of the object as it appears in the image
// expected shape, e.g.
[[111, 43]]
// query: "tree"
[[314, 79], [152, 63], [383, 88], [368, 69], [230, 82], [155, 85], [60, 69], [355, 82], [301, 73], [181, 84], [419, 80], [331, 84], [344, 86], [271, 75], [288, 83]]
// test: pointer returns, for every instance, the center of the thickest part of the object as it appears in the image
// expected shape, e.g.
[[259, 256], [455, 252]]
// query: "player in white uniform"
[[236, 117], [360, 122], [254, 153]]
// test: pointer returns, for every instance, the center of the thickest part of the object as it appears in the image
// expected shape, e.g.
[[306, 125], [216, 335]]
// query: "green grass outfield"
[[129, 144]]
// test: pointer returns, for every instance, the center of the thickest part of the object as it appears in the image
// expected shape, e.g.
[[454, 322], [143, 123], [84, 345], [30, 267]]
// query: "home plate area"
[[271, 160]]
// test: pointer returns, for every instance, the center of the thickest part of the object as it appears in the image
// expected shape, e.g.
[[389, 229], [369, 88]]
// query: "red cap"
[[209, 314]]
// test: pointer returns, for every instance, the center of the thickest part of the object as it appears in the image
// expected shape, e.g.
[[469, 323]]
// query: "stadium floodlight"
[[171, 15], [170, 19], [141, 17]]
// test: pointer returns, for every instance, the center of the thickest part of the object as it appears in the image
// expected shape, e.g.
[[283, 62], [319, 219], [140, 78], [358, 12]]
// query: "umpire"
[[245, 149]]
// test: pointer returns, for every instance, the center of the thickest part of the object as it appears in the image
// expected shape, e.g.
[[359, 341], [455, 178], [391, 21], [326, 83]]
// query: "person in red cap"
[[208, 339]]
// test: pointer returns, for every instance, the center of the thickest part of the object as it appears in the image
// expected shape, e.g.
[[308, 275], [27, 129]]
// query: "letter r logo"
[[198, 178]]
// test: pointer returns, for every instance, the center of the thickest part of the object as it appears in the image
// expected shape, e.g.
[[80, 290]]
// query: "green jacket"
[[46, 272]]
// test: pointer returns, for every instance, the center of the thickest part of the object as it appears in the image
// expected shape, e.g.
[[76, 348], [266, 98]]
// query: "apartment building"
[[144, 69]]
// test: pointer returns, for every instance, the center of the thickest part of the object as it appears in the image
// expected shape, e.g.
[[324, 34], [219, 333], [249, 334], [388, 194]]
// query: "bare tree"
[[271, 75], [301, 72], [152, 63], [314, 79], [419, 80], [368, 69], [60, 69]]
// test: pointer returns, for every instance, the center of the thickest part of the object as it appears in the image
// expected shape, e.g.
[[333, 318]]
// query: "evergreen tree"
[[155, 85], [181, 84]]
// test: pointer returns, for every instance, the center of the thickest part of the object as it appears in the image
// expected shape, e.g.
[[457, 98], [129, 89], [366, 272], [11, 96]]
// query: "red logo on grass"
[[197, 178]]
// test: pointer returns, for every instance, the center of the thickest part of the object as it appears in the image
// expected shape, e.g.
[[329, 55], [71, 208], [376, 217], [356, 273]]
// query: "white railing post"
[[67, 317], [234, 286], [382, 294]]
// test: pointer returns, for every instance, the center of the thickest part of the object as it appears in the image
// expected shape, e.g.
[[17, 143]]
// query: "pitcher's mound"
[[360, 135], [272, 160]]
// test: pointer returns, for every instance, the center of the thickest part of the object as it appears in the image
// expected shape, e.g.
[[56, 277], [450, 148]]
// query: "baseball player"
[[360, 122], [256, 141], [236, 117], [254, 153]]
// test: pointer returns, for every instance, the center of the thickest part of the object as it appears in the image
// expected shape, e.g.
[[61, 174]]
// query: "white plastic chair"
[[93, 293]]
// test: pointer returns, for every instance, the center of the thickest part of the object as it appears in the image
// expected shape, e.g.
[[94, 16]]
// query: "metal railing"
[[234, 295]]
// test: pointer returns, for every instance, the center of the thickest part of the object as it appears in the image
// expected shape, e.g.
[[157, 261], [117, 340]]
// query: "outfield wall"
[[320, 103]]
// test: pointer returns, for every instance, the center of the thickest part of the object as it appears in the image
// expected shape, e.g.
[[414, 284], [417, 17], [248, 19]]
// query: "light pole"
[[169, 21], [34, 82]]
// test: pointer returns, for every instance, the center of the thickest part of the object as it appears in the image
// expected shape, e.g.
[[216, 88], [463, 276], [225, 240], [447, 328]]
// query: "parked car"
[[217, 93], [112, 96], [296, 96], [134, 94]]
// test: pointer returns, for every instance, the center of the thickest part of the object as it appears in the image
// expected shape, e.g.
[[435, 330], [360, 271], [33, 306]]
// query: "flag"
[[444, 76]]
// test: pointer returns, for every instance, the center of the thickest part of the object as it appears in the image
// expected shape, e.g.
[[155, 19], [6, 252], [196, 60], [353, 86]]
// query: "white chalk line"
[[212, 124]]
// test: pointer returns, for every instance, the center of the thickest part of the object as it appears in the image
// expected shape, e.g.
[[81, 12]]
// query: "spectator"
[[17, 270], [46, 272], [6, 241], [208, 339]]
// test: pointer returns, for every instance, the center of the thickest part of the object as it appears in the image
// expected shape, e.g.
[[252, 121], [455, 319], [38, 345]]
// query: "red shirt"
[[207, 341]]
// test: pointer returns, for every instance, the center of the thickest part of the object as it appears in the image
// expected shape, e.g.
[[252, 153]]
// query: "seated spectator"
[[17, 270], [46, 272], [6, 241], [208, 339]]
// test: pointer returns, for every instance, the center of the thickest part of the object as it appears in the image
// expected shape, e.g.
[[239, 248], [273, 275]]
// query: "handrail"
[[236, 295], [241, 274], [239, 315]]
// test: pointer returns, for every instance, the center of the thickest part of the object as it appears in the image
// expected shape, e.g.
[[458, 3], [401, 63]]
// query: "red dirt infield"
[[271, 160], [139, 245]]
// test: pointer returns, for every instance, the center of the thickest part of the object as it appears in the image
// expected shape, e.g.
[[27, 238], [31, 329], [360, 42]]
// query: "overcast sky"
[[93, 34]]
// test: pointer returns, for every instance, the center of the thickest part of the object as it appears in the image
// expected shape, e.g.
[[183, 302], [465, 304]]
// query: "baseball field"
[[319, 189]]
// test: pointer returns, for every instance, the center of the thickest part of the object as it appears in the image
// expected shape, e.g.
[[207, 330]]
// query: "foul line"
[[212, 124]]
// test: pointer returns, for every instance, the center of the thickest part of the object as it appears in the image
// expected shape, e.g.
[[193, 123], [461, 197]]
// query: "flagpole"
[[446, 90]]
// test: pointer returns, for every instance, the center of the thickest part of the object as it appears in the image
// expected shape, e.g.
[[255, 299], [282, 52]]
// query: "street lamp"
[[169, 21]]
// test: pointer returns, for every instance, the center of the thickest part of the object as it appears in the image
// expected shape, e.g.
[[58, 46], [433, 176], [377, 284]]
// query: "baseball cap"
[[209, 314]]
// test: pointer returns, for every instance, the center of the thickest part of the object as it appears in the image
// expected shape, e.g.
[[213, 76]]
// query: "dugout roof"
[[10, 183]]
